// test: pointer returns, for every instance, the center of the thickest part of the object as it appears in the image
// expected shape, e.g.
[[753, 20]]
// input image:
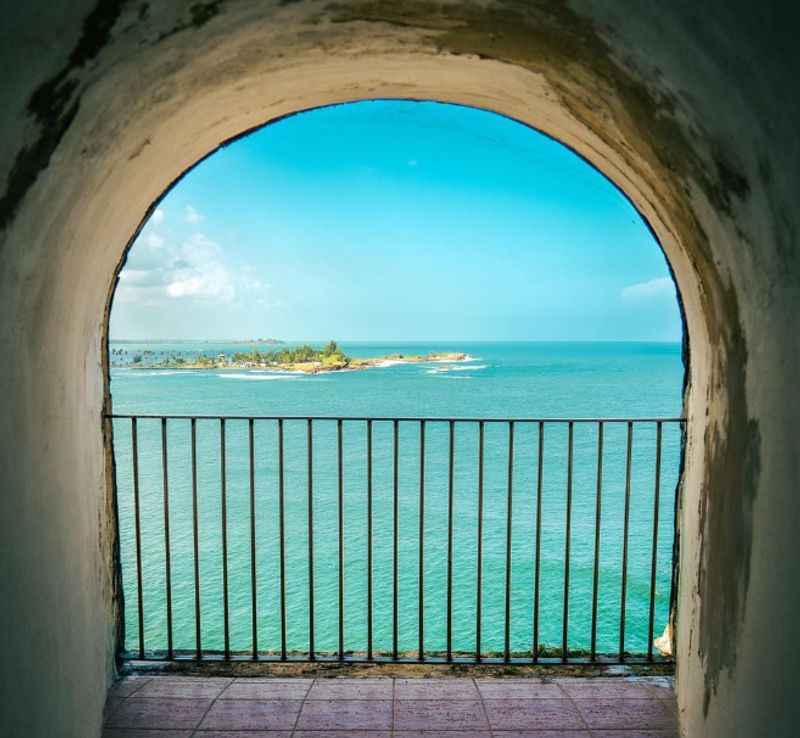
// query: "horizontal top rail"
[[389, 418]]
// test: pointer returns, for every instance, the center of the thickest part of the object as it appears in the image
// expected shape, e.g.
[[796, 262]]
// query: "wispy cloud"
[[657, 287], [157, 218], [160, 272], [192, 215], [154, 240]]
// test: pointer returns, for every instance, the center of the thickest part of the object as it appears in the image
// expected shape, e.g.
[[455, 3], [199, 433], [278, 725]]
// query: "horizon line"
[[395, 340]]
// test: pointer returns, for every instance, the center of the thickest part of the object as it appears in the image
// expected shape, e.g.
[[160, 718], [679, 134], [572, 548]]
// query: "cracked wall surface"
[[687, 108]]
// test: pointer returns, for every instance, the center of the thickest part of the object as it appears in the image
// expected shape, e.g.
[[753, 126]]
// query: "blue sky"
[[396, 220]]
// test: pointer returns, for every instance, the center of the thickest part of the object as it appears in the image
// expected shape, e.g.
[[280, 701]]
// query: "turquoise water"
[[502, 380]]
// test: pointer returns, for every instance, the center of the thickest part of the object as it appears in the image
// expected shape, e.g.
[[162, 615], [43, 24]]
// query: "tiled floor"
[[456, 707]]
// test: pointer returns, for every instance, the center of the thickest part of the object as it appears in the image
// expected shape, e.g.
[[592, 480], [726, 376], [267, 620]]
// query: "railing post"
[[310, 464], [369, 540], [597, 513], [623, 598], [253, 583], [341, 538], [167, 552], [421, 575], [282, 538], [395, 536], [567, 542], [224, 514], [507, 630], [138, 530], [196, 542], [479, 583], [450, 543], [656, 495], [538, 544]]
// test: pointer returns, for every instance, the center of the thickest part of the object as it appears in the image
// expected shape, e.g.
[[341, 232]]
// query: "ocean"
[[501, 380]]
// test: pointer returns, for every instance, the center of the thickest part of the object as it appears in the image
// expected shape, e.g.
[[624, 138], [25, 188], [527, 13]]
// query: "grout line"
[[575, 707], [208, 709], [392, 726], [302, 706], [489, 727]]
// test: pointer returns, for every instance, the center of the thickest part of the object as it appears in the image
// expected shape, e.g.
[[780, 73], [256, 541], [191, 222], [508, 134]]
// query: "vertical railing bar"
[[282, 538], [507, 633], [167, 552], [625, 542], [538, 543], [656, 495], [395, 537], [224, 514], [369, 540], [677, 504], [196, 543], [138, 528], [479, 582], [451, 449], [567, 544], [310, 450], [421, 577], [341, 537], [597, 514], [253, 583]]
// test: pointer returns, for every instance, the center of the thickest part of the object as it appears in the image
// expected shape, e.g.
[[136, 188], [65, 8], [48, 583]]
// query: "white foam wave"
[[253, 377], [447, 369]]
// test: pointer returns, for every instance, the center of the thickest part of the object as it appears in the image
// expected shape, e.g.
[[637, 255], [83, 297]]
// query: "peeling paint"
[[200, 14], [53, 106]]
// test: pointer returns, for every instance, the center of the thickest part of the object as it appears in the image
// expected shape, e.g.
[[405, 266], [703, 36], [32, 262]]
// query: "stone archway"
[[125, 98]]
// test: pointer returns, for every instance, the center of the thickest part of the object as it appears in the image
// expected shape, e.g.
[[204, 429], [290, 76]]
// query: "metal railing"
[[481, 517]]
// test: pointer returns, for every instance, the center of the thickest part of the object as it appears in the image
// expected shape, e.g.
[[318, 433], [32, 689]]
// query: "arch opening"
[[208, 359]]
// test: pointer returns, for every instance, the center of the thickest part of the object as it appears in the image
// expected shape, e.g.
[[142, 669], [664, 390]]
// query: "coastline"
[[308, 367]]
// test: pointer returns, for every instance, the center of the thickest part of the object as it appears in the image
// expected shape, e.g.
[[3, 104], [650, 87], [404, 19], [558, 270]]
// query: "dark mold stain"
[[138, 150], [200, 14], [53, 106], [732, 467]]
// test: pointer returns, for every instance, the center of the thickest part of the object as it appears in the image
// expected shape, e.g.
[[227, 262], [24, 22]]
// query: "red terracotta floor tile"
[[251, 715], [624, 714], [606, 688], [351, 689], [267, 689], [535, 714], [519, 689], [166, 713], [185, 688], [136, 733], [435, 689], [331, 715], [442, 714]]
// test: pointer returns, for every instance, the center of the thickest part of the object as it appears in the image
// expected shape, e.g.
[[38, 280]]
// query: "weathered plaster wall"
[[688, 108]]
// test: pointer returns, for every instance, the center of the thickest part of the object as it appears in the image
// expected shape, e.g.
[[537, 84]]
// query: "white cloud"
[[658, 287], [192, 215], [193, 269], [157, 218], [154, 241]]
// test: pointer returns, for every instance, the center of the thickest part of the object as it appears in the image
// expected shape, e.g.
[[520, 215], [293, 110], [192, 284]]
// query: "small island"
[[304, 359]]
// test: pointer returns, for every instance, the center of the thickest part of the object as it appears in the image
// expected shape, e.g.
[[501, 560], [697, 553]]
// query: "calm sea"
[[501, 380]]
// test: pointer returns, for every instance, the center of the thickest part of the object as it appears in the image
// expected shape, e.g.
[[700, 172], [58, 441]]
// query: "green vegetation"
[[305, 358], [329, 356]]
